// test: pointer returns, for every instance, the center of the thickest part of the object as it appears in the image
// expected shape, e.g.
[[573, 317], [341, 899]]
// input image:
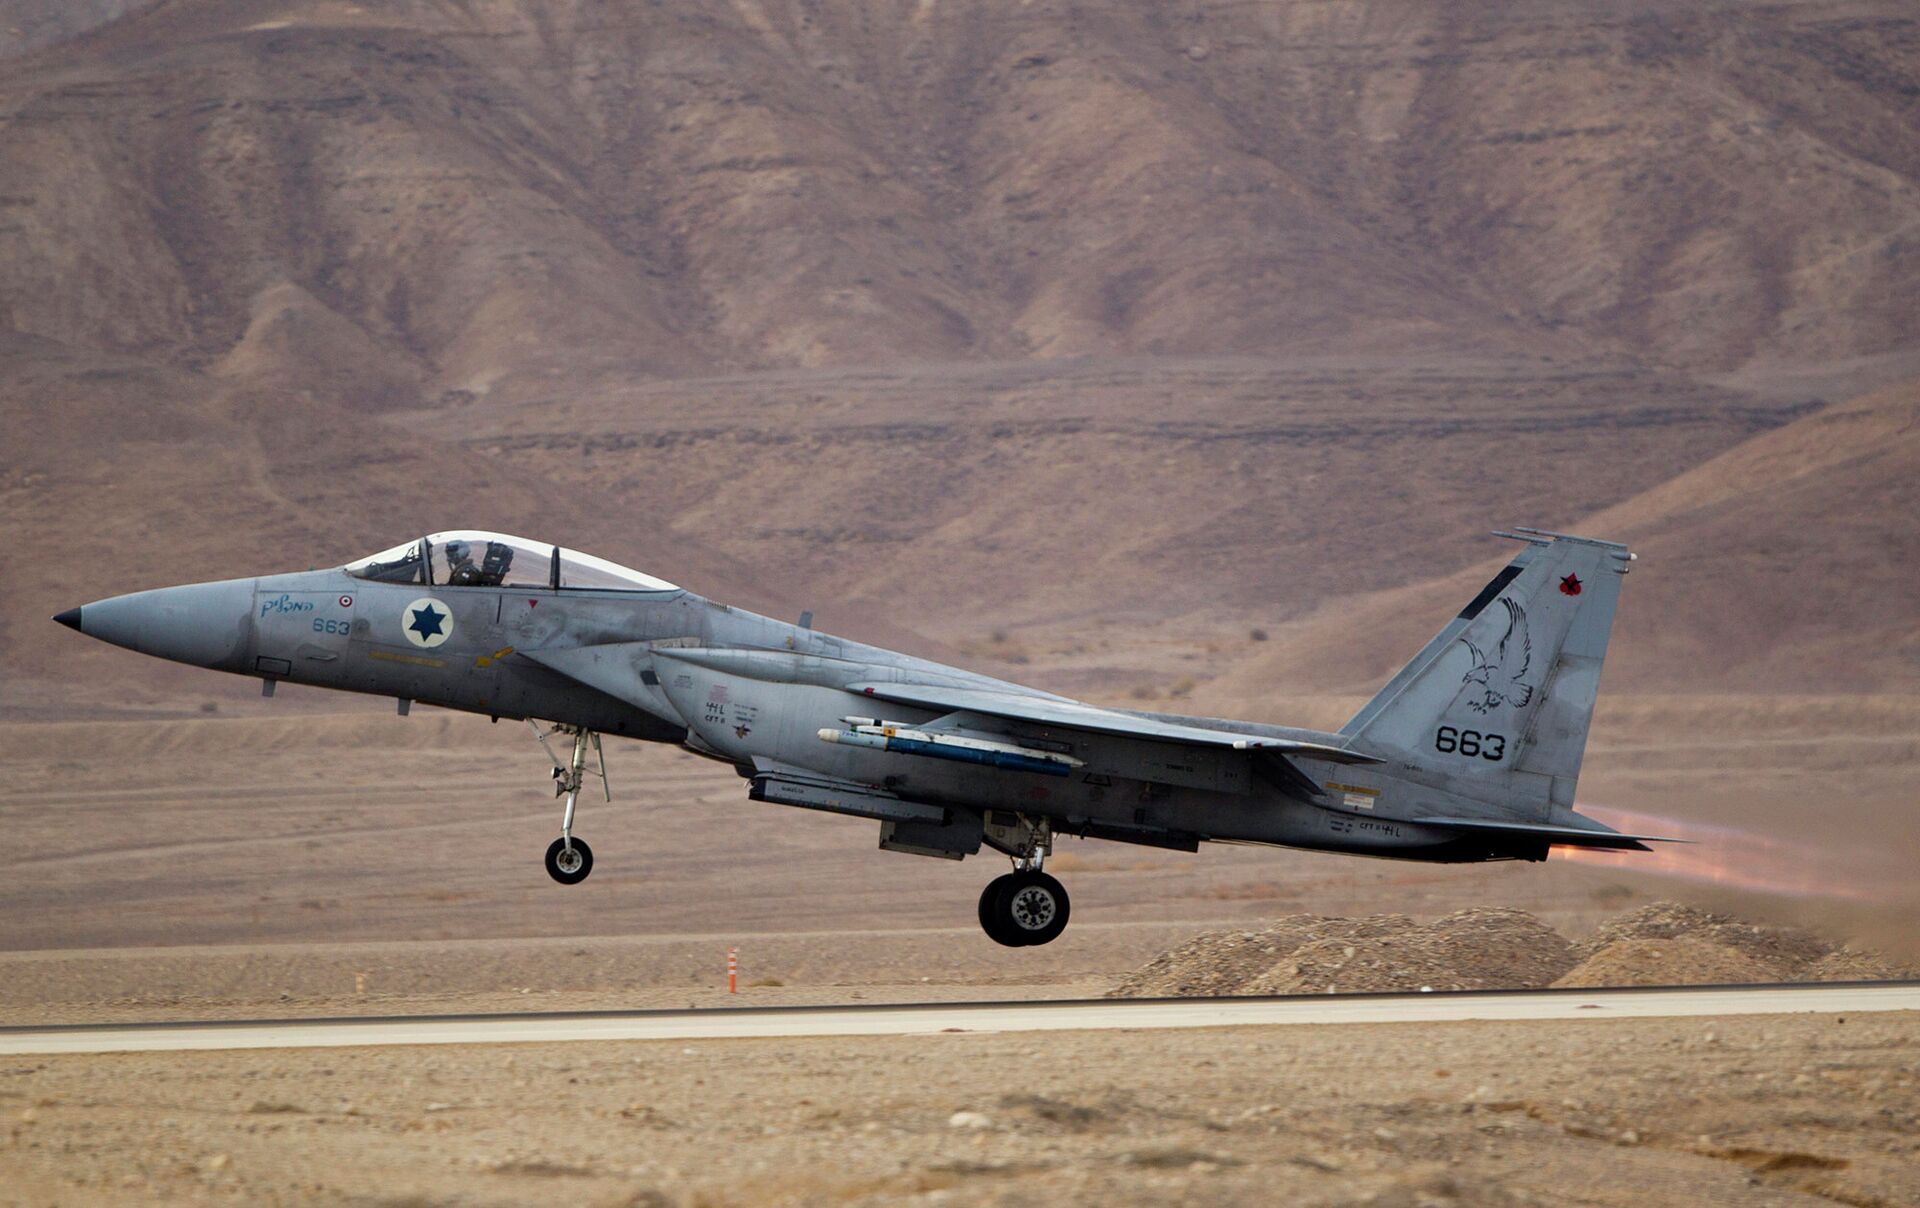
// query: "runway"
[[938, 1018]]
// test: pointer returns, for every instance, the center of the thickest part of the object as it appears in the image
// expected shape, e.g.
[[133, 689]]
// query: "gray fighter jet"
[[1470, 753]]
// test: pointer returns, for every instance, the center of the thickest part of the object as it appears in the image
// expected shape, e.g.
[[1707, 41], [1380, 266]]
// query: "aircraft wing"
[[1074, 715]]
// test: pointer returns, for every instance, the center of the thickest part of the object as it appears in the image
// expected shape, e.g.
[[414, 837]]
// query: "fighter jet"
[[1470, 753]]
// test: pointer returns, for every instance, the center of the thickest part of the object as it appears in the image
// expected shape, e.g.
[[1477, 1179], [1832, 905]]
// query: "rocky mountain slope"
[[1087, 338], [1786, 564], [461, 198]]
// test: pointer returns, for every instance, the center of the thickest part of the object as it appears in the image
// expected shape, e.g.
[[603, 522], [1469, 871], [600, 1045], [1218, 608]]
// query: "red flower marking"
[[1570, 585]]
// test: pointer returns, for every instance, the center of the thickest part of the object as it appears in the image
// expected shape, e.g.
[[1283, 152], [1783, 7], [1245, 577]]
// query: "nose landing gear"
[[569, 860], [1025, 907]]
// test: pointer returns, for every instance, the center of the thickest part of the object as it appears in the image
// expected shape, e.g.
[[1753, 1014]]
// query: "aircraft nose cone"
[[206, 624]]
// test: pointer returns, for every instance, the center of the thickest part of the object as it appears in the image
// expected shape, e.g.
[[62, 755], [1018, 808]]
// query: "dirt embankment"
[[1664, 943]]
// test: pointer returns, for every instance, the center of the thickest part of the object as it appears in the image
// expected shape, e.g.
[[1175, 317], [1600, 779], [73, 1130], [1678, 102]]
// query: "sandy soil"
[[294, 861], [291, 860], [361, 828], [1763, 1110]]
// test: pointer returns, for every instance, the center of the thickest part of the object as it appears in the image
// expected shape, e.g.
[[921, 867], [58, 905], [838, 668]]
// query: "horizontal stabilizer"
[[1569, 836]]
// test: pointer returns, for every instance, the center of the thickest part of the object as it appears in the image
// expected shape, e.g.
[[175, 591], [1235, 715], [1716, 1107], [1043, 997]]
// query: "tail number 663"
[[1450, 741]]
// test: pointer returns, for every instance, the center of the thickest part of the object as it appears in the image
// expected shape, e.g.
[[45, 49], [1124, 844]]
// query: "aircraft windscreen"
[[401, 564], [477, 559]]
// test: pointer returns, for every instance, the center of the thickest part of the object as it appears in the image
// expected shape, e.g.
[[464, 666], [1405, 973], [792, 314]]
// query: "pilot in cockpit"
[[461, 571]]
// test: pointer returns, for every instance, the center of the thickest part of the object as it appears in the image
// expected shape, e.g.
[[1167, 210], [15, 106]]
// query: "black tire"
[[571, 876], [989, 921], [1029, 908]]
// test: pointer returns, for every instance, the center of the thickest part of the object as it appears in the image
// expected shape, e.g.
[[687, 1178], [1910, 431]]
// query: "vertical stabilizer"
[[1499, 702]]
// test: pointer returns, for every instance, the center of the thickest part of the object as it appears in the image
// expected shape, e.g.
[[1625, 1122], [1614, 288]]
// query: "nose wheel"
[[569, 860], [1024, 908]]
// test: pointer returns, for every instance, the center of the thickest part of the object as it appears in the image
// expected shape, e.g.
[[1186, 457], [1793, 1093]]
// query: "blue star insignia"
[[426, 621]]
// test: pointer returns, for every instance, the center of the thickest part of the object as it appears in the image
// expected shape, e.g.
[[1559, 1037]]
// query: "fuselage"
[[670, 666]]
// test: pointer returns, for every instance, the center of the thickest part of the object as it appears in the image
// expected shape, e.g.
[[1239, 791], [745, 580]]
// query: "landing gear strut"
[[1026, 906], [569, 860]]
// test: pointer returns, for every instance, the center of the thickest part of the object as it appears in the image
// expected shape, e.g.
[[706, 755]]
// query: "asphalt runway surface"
[[935, 1018]]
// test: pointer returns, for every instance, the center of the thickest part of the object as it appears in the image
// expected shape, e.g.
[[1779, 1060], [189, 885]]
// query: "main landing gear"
[[569, 860], [1026, 906], [1023, 907]]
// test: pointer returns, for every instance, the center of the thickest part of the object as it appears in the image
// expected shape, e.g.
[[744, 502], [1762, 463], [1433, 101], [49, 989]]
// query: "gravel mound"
[[1666, 944], [1485, 949], [1225, 962], [1851, 964], [1785, 952], [1304, 954], [1331, 966], [1681, 960], [1492, 948]]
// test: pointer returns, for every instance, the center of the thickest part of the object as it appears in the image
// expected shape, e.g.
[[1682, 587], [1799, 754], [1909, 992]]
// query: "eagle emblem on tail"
[[1500, 673]]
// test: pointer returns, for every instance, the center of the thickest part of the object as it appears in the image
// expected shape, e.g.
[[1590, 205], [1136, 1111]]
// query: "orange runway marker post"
[[733, 970]]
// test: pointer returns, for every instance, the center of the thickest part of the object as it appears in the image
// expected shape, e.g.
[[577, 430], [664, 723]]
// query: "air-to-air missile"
[[892, 736]]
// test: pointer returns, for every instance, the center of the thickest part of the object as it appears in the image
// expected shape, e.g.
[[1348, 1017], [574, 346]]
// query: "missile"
[[881, 736]]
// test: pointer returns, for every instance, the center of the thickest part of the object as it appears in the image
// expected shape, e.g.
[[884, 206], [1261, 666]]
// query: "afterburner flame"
[[1731, 857]]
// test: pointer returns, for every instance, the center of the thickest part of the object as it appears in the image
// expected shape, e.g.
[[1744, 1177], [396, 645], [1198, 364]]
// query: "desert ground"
[[1779, 1110], [391, 868], [212, 862]]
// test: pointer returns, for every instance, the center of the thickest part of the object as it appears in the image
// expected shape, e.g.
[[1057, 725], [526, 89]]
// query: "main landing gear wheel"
[[1022, 909], [569, 865], [989, 921]]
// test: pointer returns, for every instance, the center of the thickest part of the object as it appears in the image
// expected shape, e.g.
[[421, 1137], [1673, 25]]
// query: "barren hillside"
[[120, 474], [1191, 499], [466, 197], [1786, 564], [32, 24], [1086, 338]]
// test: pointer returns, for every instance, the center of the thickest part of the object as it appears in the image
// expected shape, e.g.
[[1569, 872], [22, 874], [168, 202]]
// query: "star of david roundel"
[[426, 622]]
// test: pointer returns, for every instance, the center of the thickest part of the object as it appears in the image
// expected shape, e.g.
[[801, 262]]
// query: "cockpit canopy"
[[468, 558]]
